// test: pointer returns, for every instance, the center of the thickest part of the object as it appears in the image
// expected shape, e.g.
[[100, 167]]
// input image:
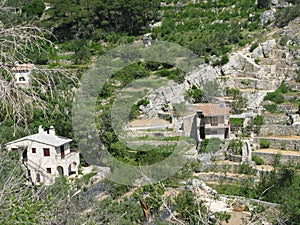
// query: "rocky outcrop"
[[267, 17], [173, 92], [267, 46]]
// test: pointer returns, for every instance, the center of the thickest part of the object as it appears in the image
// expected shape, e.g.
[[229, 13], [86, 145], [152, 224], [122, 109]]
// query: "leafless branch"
[[18, 102]]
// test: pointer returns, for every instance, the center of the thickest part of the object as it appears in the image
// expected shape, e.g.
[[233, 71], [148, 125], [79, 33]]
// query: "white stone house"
[[22, 73], [46, 156]]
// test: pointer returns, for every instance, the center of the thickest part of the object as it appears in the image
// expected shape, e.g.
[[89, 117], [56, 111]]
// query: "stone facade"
[[46, 156], [213, 121]]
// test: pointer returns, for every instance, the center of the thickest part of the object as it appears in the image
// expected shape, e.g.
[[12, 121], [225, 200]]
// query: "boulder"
[[266, 17], [257, 53], [267, 46]]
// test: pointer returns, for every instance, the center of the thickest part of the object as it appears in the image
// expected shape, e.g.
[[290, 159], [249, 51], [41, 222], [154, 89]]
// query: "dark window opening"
[[62, 151], [21, 78], [48, 170], [38, 178], [33, 150], [46, 151]]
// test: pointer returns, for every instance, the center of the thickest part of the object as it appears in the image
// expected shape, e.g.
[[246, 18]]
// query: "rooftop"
[[209, 109], [45, 137], [22, 67]]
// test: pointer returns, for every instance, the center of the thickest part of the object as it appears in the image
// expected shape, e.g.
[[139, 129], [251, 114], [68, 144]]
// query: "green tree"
[[33, 8]]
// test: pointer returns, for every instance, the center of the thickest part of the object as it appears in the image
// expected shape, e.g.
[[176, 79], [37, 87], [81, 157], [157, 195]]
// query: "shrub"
[[257, 60], [257, 160], [224, 59], [246, 169], [263, 3], [236, 122], [283, 41], [263, 143], [285, 15], [258, 120], [210, 145], [271, 107], [253, 46], [245, 82]]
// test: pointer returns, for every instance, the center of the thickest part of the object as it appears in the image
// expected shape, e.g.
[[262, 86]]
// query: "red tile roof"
[[209, 109], [19, 67]]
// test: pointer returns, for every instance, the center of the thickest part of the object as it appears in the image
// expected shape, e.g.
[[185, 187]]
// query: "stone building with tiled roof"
[[213, 120]]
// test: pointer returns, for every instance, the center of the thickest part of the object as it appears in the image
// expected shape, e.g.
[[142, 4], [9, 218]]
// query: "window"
[[46, 151], [38, 178], [62, 151], [21, 78], [48, 170], [33, 150], [14, 149]]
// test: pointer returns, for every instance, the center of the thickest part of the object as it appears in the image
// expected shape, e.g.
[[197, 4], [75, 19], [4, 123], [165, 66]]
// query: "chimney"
[[41, 130], [52, 130]]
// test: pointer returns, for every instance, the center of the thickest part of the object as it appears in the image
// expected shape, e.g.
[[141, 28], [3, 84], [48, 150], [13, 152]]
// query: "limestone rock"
[[289, 59], [266, 17], [267, 46], [257, 53]]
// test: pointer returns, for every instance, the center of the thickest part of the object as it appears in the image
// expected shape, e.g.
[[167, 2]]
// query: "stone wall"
[[280, 130], [275, 119], [269, 158], [293, 145]]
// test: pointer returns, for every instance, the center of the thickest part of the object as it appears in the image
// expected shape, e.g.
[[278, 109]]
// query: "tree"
[[18, 103], [34, 8], [263, 3]]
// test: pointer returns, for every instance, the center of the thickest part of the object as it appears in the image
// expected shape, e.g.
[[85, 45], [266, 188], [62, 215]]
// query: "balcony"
[[66, 156]]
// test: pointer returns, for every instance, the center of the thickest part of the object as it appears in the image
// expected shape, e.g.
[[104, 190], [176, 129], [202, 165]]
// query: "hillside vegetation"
[[83, 30]]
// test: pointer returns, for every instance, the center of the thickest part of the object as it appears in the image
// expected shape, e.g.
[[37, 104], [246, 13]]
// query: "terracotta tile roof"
[[19, 67], [209, 109]]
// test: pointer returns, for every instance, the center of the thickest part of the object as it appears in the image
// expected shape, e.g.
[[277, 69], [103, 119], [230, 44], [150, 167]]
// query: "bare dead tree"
[[17, 102]]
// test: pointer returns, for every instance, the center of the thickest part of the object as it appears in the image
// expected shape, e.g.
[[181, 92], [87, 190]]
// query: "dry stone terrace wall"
[[280, 130], [269, 158], [275, 119], [284, 144]]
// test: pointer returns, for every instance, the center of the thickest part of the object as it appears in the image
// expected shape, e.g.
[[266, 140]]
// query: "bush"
[[236, 122], [257, 60], [258, 120], [224, 59], [257, 160], [210, 145], [263, 3], [263, 143], [271, 108], [253, 46], [285, 15], [246, 169]]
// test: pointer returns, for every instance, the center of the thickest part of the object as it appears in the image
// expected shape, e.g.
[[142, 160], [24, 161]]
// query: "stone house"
[[213, 120], [46, 156], [22, 73]]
